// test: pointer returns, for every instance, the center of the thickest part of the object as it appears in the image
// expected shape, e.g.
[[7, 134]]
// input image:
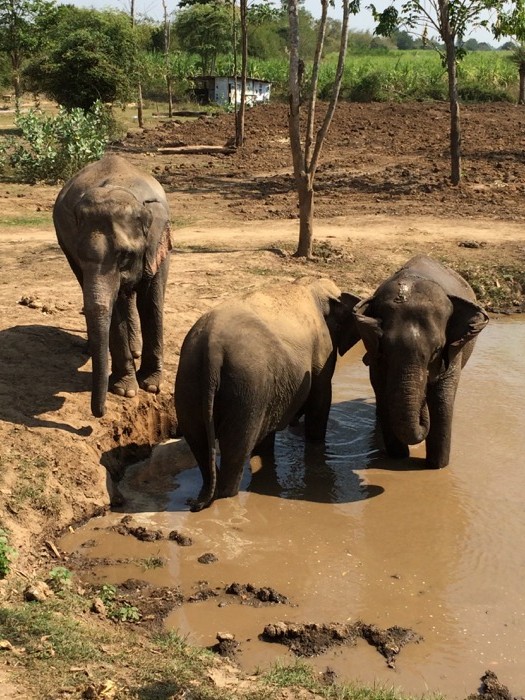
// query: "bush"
[[53, 149]]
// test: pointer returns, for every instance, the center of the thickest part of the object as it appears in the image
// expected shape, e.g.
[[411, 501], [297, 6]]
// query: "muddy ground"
[[382, 195]]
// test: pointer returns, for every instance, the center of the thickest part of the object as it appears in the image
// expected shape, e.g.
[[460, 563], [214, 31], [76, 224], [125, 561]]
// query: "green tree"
[[451, 20], [510, 22], [90, 56], [18, 35], [206, 31]]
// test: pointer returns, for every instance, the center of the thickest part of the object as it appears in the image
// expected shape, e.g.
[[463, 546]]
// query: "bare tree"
[[306, 151], [140, 106], [239, 122], [167, 57], [451, 20]]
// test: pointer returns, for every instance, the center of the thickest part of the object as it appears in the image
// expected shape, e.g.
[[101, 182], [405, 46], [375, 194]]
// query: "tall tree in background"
[[167, 57], [140, 103], [451, 20], [306, 152], [18, 38], [239, 122], [510, 22]]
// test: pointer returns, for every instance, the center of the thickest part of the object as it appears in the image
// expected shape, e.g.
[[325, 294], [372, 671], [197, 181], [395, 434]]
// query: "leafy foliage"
[[53, 148], [7, 554], [90, 56]]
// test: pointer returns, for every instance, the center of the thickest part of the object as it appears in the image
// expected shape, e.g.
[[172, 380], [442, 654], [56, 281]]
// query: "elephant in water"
[[252, 365], [112, 223], [419, 329]]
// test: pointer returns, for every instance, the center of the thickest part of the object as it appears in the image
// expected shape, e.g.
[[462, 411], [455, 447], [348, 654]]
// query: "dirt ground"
[[382, 196]]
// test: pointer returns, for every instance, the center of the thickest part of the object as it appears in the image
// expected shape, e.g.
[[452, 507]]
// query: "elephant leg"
[[197, 440], [236, 442], [150, 304], [440, 401], [122, 381], [265, 446], [134, 332], [318, 403], [393, 446]]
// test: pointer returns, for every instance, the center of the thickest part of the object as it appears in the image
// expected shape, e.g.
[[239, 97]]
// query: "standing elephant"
[[252, 365], [419, 329], [112, 223]]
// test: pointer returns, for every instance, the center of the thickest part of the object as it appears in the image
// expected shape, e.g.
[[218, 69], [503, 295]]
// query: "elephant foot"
[[397, 451], [125, 386], [431, 464], [149, 381]]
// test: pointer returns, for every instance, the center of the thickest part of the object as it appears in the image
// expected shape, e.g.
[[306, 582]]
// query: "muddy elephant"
[[419, 329], [252, 365], [112, 223]]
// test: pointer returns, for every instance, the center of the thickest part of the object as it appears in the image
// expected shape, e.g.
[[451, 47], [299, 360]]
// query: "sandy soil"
[[383, 195]]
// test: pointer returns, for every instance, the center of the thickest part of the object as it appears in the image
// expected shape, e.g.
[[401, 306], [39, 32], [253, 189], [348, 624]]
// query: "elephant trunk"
[[407, 406], [98, 307]]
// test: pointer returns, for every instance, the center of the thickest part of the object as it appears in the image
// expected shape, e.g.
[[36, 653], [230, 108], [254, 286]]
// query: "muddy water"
[[346, 534]]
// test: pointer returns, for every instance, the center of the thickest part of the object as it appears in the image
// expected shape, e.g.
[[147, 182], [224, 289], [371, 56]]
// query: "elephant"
[[254, 364], [419, 329], [112, 222]]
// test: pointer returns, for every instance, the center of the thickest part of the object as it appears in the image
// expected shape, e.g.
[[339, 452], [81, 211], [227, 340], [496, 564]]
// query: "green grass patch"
[[37, 219], [30, 488]]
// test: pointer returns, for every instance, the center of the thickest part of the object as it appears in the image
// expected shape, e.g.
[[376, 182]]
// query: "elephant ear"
[[347, 334], [467, 320], [156, 228], [369, 329]]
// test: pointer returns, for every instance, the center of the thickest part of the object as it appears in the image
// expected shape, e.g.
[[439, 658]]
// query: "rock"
[[98, 607], [38, 591]]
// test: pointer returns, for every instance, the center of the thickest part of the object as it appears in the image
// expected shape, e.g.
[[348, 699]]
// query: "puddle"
[[346, 535]]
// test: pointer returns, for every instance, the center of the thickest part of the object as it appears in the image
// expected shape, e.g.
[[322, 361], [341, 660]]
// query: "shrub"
[[53, 148], [7, 554]]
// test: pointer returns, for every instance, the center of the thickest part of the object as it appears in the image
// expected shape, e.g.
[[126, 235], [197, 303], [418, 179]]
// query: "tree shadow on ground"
[[36, 364]]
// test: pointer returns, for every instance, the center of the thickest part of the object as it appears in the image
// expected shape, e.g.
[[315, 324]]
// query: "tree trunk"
[[449, 38], [140, 105], [239, 140], [306, 218], [521, 97], [167, 58]]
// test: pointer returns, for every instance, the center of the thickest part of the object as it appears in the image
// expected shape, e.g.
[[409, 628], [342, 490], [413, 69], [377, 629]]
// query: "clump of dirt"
[[226, 646], [492, 689], [151, 603], [250, 594], [204, 592], [313, 639], [207, 558], [125, 527], [180, 539]]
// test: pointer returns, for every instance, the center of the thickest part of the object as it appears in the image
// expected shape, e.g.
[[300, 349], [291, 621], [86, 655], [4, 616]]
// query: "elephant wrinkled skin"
[[252, 365], [112, 223], [419, 330]]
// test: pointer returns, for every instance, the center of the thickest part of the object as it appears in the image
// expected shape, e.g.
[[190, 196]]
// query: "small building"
[[213, 89]]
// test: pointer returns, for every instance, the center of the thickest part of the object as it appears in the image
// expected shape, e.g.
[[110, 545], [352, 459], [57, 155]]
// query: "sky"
[[360, 22]]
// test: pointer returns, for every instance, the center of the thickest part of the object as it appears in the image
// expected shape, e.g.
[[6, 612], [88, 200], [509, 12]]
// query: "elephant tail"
[[209, 488]]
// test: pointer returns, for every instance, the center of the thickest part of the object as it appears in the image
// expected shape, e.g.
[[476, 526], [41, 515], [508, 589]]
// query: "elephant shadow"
[[37, 363]]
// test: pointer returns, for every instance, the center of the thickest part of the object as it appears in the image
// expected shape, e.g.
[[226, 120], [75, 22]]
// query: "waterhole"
[[346, 534]]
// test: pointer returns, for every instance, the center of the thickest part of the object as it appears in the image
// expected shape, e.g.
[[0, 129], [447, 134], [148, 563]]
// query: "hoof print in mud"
[[226, 646], [315, 638]]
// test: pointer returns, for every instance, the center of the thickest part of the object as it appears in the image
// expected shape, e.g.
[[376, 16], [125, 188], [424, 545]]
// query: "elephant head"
[[121, 240], [414, 333], [337, 309]]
